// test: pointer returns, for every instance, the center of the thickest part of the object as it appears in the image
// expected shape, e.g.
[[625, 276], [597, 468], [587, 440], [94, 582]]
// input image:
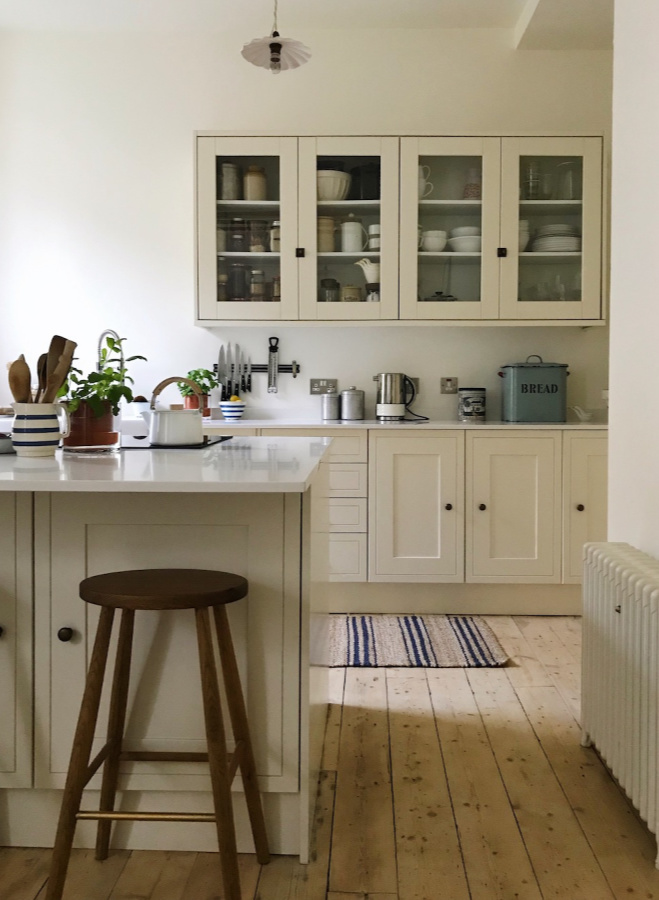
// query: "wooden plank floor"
[[459, 784]]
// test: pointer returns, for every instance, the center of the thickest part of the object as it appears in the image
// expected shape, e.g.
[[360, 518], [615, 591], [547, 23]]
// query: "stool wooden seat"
[[200, 590]]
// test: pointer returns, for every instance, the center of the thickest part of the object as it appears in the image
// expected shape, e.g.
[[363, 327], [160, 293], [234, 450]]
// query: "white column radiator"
[[620, 669]]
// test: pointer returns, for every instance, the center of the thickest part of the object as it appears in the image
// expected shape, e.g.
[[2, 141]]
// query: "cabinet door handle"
[[449, 506], [482, 506], [580, 507], [2, 630], [65, 634]]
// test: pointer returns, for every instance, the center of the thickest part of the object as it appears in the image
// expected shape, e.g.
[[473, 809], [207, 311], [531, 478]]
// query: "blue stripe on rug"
[[468, 643], [417, 641], [362, 648]]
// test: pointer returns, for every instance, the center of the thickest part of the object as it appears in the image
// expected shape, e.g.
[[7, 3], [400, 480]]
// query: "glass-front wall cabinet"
[[349, 228], [247, 228]]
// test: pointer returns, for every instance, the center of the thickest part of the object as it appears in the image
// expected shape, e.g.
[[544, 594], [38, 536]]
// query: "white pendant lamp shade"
[[275, 52]]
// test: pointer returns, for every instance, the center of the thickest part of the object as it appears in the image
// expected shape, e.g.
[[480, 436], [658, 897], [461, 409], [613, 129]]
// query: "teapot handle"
[[163, 384]]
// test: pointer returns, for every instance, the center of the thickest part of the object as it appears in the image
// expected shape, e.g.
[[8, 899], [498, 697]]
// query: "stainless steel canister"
[[352, 404], [471, 404], [330, 406]]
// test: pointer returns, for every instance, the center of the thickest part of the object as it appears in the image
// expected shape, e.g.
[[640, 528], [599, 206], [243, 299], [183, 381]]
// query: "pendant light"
[[275, 52]]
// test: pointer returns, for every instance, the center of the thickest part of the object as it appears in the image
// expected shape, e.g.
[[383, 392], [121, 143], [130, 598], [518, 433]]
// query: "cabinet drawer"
[[347, 446], [347, 480], [347, 557], [347, 515]]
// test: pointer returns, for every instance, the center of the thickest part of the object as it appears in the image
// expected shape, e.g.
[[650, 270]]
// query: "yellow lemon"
[[234, 397]]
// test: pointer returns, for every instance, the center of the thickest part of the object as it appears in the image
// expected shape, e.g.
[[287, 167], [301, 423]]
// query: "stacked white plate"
[[557, 239]]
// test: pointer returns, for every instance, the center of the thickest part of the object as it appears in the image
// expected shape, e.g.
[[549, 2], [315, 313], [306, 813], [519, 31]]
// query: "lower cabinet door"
[[416, 509], [254, 535], [15, 640], [513, 507], [585, 497]]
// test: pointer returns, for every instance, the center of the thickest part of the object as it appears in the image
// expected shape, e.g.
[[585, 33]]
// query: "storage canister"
[[352, 404], [471, 404], [254, 184], [330, 406], [534, 391]]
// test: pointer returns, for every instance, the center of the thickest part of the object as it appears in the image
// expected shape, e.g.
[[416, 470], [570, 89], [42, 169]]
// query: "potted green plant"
[[206, 381], [93, 400]]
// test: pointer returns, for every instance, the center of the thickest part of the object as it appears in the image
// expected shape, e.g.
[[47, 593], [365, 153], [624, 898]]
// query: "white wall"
[[634, 432], [96, 185]]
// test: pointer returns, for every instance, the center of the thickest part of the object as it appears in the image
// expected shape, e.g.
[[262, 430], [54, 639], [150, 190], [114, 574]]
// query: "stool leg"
[[240, 725], [116, 724], [82, 745], [217, 758]]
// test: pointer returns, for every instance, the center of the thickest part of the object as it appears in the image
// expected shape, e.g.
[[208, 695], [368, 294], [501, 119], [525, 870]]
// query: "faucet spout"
[[107, 333]]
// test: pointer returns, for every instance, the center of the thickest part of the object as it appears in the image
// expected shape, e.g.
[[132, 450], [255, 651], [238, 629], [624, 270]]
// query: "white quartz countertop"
[[219, 426], [240, 465]]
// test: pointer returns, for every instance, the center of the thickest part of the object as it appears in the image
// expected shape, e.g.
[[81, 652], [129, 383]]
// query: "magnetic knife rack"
[[287, 368]]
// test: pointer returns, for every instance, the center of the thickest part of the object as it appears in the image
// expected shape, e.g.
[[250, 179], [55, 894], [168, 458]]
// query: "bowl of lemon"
[[233, 408]]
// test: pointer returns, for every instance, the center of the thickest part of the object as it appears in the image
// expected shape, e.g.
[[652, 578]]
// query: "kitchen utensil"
[[352, 404], [584, 415], [37, 429], [174, 426], [370, 269], [471, 404], [20, 383], [222, 374], [229, 381], [392, 396], [57, 377], [248, 380], [41, 376], [273, 364], [55, 350]]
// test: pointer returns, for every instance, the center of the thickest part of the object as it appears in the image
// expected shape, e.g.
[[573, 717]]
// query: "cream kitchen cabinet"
[[513, 507], [256, 535], [16, 658], [584, 497], [536, 204], [416, 500]]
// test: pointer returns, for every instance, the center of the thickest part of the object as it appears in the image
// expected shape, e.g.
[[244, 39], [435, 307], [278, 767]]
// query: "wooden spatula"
[[20, 380]]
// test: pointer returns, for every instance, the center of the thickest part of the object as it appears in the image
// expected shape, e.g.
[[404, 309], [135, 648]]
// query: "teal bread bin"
[[534, 391]]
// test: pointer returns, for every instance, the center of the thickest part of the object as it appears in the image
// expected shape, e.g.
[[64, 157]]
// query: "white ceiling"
[[535, 24]]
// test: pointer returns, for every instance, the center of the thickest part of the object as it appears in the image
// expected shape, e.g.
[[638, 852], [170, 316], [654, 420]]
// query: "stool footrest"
[[146, 816]]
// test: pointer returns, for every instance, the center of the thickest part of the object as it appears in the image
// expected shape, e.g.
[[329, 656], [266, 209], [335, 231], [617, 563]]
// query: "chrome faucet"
[[107, 333]]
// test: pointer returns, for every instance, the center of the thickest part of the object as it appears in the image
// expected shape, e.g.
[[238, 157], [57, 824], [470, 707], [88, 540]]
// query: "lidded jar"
[[237, 283], [254, 184], [230, 181], [352, 404], [257, 285], [238, 236]]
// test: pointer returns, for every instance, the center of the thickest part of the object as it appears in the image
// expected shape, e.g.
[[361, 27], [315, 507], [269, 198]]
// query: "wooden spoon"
[[20, 383], [57, 377], [55, 350], [41, 375]]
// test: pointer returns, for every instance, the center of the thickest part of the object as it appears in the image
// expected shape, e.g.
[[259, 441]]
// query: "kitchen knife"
[[222, 374], [238, 358], [248, 378], [229, 371], [273, 364]]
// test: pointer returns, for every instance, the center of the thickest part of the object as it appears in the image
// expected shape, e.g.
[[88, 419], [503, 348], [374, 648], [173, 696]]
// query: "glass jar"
[[254, 184], [238, 242], [230, 182], [276, 289], [237, 282], [257, 286], [258, 238], [275, 237], [329, 291], [222, 292]]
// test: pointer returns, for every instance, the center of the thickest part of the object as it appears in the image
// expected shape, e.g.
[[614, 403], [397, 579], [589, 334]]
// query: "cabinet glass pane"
[[449, 228], [550, 228], [248, 230], [348, 224]]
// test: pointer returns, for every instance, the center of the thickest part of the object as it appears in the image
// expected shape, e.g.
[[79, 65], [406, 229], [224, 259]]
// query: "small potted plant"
[[93, 400], [206, 381]]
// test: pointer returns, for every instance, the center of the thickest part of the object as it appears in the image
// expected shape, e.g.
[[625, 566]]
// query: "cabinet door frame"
[[384, 564], [489, 148], [582, 485], [208, 149], [590, 149], [482, 566], [387, 148]]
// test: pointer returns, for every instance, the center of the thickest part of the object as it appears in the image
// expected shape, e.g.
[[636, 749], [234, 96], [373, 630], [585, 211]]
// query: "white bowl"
[[470, 244], [232, 409], [332, 185], [466, 231]]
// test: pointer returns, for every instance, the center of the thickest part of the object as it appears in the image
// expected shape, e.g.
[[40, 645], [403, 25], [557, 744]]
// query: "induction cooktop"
[[142, 442]]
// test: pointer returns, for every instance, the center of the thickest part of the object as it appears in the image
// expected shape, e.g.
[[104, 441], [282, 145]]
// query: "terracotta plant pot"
[[192, 402], [91, 433]]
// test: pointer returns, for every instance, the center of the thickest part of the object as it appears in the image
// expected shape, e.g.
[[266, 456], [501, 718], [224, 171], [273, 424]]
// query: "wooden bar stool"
[[161, 589]]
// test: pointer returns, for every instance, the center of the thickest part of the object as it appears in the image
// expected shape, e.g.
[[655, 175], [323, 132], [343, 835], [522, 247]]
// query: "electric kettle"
[[392, 397]]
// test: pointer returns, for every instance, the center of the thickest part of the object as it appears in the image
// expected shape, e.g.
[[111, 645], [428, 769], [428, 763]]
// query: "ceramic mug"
[[425, 187], [37, 430]]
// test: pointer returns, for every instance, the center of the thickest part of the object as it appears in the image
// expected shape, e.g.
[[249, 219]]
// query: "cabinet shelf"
[[249, 205], [232, 254], [359, 254], [544, 258], [341, 206], [454, 206], [551, 206], [427, 257]]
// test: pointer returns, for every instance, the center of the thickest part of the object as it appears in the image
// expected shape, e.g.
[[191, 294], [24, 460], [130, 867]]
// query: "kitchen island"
[[254, 506]]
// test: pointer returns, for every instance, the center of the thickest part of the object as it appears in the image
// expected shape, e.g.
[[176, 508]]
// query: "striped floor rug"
[[427, 641]]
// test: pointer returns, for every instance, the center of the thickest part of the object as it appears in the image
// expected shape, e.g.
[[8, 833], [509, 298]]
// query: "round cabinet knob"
[[2, 630], [449, 506], [65, 634], [482, 506], [580, 507]]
